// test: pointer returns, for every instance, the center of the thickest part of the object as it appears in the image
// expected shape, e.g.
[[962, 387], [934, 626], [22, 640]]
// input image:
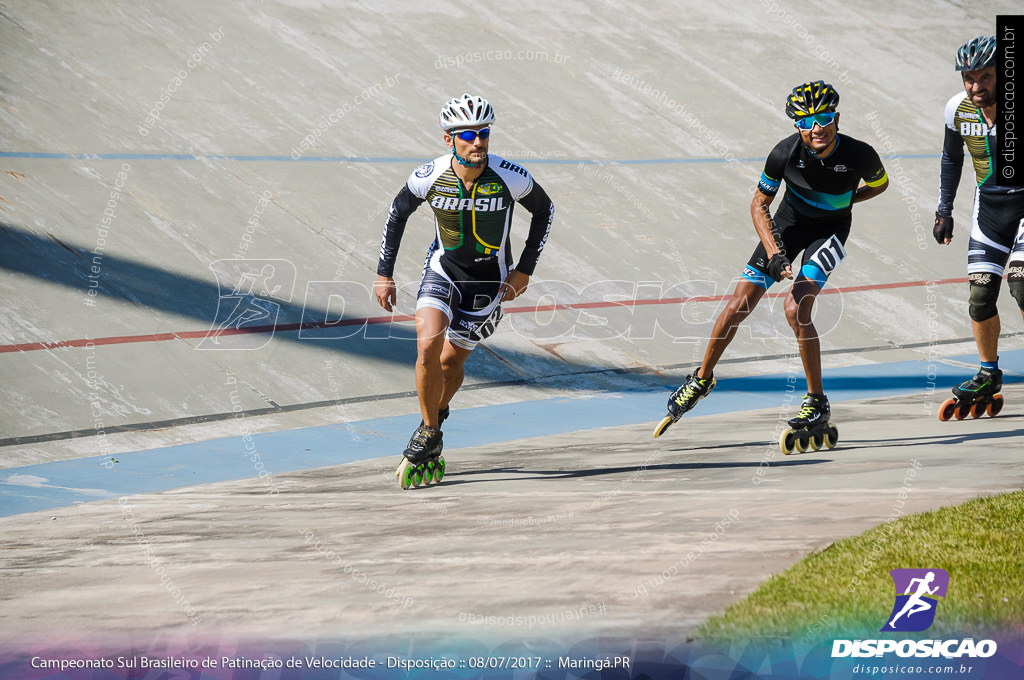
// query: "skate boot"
[[685, 398], [811, 427], [976, 396], [422, 462]]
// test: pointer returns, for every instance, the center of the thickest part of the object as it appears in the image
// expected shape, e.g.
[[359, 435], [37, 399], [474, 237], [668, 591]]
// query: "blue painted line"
[[63, 483], [381, 159]]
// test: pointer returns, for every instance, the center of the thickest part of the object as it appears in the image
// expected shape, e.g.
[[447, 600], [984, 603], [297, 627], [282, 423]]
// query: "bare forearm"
[[864, 192], [762, 217]]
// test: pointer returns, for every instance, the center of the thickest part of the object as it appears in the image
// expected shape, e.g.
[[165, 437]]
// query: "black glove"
[[776, 264], [943, 228]]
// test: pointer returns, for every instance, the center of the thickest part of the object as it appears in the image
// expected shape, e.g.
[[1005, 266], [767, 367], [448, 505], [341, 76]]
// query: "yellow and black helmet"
[[811, 98]]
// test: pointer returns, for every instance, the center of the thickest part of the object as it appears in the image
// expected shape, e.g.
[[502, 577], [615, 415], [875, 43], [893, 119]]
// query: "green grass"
[[845, 589]]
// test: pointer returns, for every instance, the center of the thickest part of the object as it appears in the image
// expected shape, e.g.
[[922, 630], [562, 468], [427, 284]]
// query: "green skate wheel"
[[831, 436], [787, 441], [995, 406], [418, 474], [947, 409], [407, 474], [439, 470]]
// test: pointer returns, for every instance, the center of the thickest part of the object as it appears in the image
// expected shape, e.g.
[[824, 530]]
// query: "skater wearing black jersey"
[[825, 173]]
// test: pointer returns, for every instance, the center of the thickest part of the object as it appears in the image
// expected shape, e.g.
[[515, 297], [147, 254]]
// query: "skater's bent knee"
[[429, 353], [736, 310], [452, 364], [798, 314], [1017, 291], [1015, 282], [984, 293], [793, 318]]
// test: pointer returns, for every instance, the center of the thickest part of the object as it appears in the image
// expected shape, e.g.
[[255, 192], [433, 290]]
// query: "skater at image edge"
[[468, 272], [825, 174], [997, 229]]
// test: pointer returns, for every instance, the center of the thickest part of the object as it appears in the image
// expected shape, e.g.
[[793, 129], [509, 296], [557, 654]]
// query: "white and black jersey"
[[473, 224]]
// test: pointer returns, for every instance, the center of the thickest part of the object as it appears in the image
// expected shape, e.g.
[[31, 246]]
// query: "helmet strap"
[[462, 161], [835, 145]]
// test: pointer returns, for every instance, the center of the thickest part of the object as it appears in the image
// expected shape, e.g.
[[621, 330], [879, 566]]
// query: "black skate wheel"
[[947, 409], [977, 409], [660, 428], [817, 441], [960, 412], [787, 441]]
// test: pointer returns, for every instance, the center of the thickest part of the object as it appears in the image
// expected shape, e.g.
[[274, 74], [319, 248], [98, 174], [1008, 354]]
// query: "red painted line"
[[187, 335], [726, 296]]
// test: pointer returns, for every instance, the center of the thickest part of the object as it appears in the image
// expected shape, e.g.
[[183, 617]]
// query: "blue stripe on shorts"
[[814, 273], [757, 277]]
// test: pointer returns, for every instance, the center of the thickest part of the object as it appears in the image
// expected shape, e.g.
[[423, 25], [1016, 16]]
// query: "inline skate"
[[976, 396], [811, 428], [422, 462], [685, 398]]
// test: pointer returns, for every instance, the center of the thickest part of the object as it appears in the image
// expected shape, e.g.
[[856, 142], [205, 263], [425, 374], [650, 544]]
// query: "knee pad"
[[1015, 281], [984, 293]]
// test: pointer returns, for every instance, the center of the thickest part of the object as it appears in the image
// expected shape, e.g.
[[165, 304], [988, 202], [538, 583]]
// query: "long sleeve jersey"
[[471, 225]]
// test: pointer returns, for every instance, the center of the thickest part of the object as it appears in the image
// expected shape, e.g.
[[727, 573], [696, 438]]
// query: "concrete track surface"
[[155, 156]]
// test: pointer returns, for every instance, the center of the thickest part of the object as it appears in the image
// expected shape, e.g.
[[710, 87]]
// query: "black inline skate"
[[811, 428], [685, 398], [422, 463], [976, 396]]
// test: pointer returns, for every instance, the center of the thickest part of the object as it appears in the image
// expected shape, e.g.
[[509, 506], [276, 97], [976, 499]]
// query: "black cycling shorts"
[[997, 232], [822, 245]]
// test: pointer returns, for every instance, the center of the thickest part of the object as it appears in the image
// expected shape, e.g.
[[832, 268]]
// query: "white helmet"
[[465, 111]]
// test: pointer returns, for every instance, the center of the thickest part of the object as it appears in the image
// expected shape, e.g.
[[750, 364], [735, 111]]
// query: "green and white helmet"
[[464, 112], [976, 53]]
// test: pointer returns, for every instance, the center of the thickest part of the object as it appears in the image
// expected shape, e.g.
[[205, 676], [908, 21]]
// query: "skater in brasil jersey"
[[825, 173], [469, 269], [997, 230]]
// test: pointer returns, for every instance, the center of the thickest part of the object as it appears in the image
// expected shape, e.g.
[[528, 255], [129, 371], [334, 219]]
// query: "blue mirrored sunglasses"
[[470, 135], [822, 119]]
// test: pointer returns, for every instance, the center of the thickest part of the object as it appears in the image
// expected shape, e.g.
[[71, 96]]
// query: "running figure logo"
[[914, 610], [247, 305]]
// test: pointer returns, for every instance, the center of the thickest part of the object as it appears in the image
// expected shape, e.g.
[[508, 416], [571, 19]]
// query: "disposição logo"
[[914, 609], [916, 603]]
